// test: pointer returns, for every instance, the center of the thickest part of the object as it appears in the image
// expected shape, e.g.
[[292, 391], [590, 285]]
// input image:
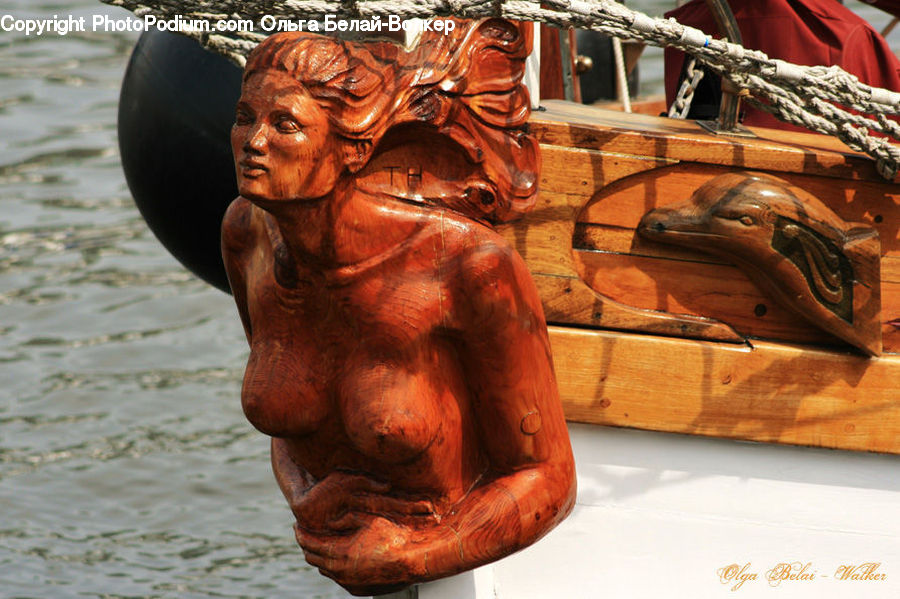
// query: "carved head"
[[314, 109], [758, 221], [304, 117], [730, 214]]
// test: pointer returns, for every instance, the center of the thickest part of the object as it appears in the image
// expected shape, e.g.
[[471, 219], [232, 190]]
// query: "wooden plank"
[[569, 179], [769, 392], [716, 291], [579, 174], [653, 105], [652, 277], [684, 280], [567, 124], [628, 187]]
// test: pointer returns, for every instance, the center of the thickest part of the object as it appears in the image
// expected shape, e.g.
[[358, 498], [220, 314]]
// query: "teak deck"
[[736, 364]]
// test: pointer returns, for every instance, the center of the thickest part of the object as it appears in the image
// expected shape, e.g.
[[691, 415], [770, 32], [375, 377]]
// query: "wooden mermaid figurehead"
[[798, 251], [399, 354]]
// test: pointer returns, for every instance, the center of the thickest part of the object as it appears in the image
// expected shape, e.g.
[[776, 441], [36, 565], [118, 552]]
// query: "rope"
[[819, 98]]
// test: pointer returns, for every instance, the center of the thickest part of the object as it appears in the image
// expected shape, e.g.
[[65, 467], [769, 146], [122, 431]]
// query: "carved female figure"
[[399, 356]]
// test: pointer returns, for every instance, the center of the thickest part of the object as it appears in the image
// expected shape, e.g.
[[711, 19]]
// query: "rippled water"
[[126, 466]]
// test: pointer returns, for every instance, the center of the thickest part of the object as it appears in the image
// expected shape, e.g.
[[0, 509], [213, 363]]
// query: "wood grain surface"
[[746, 368], [771, 392]]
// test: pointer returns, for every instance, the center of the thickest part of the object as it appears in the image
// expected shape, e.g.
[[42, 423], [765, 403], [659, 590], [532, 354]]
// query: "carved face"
[[282, 142], [730, 214]]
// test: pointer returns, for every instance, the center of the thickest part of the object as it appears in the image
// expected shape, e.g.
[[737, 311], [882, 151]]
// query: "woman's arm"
[[509, 368]]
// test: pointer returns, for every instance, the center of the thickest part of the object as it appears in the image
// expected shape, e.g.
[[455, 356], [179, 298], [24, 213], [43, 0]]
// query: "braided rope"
[[811, 97]]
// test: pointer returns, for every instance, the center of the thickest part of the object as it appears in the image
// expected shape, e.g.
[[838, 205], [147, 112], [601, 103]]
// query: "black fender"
[[176, 108]]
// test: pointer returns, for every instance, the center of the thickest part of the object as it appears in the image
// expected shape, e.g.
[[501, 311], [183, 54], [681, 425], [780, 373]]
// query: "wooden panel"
[[653, 105], [569, 178], [768, 392], [567, 124], [761, 391], [716, 291], [544, 238], [629, 186], [639, 273], [623, 240], [653, 276]]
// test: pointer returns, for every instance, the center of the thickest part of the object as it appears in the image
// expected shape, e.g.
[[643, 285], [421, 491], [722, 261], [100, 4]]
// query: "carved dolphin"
[[797, 251]]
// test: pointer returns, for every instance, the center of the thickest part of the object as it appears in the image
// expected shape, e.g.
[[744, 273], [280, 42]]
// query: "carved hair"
[[345, 78], [466, 85]]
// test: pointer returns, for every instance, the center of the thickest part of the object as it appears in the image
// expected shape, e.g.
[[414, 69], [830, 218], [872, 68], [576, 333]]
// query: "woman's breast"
[[397, 409], [284, 393]]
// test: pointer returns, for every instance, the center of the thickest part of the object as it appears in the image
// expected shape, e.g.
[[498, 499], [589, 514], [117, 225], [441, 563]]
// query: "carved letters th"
[[399, 354]]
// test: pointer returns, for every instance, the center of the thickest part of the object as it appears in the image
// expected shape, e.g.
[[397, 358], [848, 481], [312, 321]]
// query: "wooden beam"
[[769, 392], [589, 127]]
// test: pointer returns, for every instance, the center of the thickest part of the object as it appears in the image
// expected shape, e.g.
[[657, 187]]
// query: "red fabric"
[[808, 32]]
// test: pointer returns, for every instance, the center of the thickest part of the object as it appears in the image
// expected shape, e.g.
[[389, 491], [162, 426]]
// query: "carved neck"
[[346, 227]]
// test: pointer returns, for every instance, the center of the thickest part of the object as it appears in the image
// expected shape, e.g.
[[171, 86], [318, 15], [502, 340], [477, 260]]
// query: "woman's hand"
[[376, 552], [343, 502], [354, 532]]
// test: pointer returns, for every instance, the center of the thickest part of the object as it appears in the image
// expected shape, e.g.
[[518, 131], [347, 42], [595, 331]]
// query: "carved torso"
[[335, 372], [399, 356]]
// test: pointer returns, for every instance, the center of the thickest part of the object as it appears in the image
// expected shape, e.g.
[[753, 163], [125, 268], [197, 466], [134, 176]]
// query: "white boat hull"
[[662, 515]]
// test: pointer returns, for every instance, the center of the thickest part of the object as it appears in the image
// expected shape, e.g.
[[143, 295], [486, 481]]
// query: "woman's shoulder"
[[470, 243], [238, 232], [489, 268]]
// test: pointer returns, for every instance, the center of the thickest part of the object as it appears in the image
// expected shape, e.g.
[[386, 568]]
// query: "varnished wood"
[[544, 239], [577, 126], [653, 105], [768, 392], [819, 267], [649, 275], [551, 75], [399, 355], [623, 204], [638, 164], [684, 288], [607, 169]]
